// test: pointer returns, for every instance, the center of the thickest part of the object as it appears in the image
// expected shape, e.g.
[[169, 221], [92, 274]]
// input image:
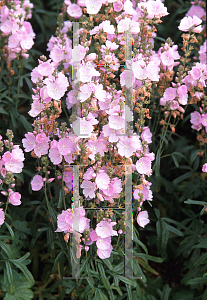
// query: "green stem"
[[19, 76]]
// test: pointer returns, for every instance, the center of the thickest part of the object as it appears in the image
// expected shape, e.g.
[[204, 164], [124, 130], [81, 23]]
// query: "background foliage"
[[172, 257]]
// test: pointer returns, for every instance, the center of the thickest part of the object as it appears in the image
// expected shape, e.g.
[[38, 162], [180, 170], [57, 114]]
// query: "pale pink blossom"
[[65, 146], [37, 183], [204, 168], [88, 188], [14, 198], [93, 7], [102, 180], [104, 253], [2, 216], [142, 218], [104, 229], [57, 89], [103, 243], [195, 118], [143, 166], [74, 11]]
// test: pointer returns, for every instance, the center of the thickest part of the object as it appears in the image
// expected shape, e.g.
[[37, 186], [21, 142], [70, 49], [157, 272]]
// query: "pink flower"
[[116, 122], [14, 198], [86, 73], [128, 24], [88, 188], [7, 157], [109, 191], [57, 89], [2, 216], [102, 180], [74, 11], [167, 58], [156, 9], [37, 183], [107, 27], [100, 93], [204, 168], [104, 229], [82, 127], [103, 243], [126, 147], [195, 118], [104, 253], [196, 73], [146, 135], [64, 221], [187, 23], [142, 218], [55, 156], [57, 54], [170, 93], [88, 175], [143, 166], [45, 69], [111, 133], [93, 7], [127, 78], [14, 166], [67, 176], [41, 148], [182, 90], [36, 108], [93, 235], [65, 146], [85, 92], [204, 120], [117, 6], [196, 10]]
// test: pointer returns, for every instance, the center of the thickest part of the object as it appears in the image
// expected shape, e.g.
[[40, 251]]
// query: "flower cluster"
[[14, 27], [100, 137], [11, 162]]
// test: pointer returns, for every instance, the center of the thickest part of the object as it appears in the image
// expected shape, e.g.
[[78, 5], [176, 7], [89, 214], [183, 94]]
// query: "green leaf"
[[117, 288], [119, 267], [25, 123], [129, 291], [21, 259], [138, 271], [162, 237], [103, 276], [3, 111], [193, 156], [189, 201], [28, 83], [20, 289], [60, 201], [126, 280], [9, 272], [182, 177], [108, 264], [166, 292], [99, 295], [198, 280], [25, 271], [90, 278], [57, 259], [157, 164], [174, 230], [10, 230], [175, 160], [6, 249]]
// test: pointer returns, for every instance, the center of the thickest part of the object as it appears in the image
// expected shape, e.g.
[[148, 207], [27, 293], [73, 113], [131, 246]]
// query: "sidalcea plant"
[[102, 114]]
